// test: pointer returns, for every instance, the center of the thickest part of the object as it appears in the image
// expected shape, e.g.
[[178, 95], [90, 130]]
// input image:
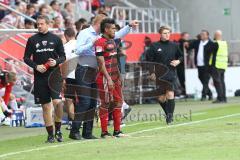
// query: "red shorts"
[[106, 95]]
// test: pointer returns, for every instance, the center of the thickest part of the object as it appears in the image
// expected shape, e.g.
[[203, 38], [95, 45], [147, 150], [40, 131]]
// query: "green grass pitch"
[[201, 130]]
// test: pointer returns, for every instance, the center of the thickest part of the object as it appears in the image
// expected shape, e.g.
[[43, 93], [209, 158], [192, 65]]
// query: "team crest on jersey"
[[159, 50], [110, 46], [44, 43], [37, 45], [99, 49], [113, 53]]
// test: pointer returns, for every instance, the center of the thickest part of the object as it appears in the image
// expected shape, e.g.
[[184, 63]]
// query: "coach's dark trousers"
[[219, 83], [204, 76], [86, 100]]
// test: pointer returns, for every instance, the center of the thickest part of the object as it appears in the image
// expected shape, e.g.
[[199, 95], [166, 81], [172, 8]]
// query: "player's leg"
[[163, 103], [70, 96], [162, 99], [48, 120], [58, 110], [70, 111], [55, 88], [170, 106], [117, 114], [42, 96]]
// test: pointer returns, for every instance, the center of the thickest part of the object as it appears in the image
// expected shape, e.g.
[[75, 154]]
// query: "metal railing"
[[150, 19], [17, 12]]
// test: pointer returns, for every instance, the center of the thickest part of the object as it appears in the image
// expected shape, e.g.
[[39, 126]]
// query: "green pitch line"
[[180, 142]]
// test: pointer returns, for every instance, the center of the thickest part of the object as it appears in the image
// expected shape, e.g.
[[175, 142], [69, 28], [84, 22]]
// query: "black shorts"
[[70, 90], [47, 88], [166, 83]]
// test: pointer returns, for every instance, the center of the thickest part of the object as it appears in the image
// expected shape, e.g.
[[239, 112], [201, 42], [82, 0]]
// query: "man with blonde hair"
[[167, 53]]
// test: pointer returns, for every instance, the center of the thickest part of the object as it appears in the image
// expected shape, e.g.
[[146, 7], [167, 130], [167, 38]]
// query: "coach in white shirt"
[[68, 70], [203, 49]]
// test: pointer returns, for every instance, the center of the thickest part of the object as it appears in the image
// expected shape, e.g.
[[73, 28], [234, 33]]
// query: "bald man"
[[218, 64]]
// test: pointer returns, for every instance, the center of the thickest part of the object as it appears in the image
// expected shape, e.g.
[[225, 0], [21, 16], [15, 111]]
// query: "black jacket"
[[209, 48], [41, 47], [163, 53]]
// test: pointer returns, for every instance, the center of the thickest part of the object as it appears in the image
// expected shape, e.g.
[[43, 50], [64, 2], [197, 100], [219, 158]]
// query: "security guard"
[[218, 64], [165, 56]]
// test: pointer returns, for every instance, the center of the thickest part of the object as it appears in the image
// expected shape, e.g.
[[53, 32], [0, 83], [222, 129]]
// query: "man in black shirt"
[[47, 52], [165, 56], [203, 48]]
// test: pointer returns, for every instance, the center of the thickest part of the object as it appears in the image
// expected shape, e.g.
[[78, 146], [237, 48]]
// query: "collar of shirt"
[[91, 29], [204, 42]]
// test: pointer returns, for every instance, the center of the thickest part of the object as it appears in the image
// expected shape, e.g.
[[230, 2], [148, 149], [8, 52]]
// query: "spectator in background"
[[28, 24], [79, 24], [203, 49], [57, 23], [183, 44], [12, 19], [68, 23], [83, 4], [68, 12], [95, 5], [30, 10], [37, 2], [43, 10], [147, 42], [55, 10]]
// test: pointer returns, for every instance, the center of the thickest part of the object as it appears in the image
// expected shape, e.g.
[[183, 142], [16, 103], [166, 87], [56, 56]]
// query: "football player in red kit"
[[108, 79]]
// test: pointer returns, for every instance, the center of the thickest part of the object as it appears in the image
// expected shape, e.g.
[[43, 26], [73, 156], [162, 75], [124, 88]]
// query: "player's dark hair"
[[47, 20], [206, 31], [106, 23], [69, 32]]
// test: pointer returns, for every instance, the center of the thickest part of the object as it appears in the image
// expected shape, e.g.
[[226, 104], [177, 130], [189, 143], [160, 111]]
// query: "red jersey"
[[7, 86], [108, 49]]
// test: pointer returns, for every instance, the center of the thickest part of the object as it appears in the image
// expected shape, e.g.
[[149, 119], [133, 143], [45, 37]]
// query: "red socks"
[[117, 115], [103, 114]]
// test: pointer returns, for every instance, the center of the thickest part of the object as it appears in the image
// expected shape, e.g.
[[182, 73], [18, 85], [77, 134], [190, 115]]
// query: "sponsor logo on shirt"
[[44, 43], [37, 45], [159, 50], [51, 43], [44, 50]]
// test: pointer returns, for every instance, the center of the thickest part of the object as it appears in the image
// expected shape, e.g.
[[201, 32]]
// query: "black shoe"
[[203, 99], [89, 137], [106, 135], [218, 101], [59, 136], [169, 119], [74, 136], [50, 139], [210, 98], [118, 134]]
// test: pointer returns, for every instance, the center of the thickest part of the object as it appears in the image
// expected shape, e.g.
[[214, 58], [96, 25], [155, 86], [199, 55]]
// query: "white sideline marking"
[[137, 132], [200, 113], [185, 124], [135, 124]]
